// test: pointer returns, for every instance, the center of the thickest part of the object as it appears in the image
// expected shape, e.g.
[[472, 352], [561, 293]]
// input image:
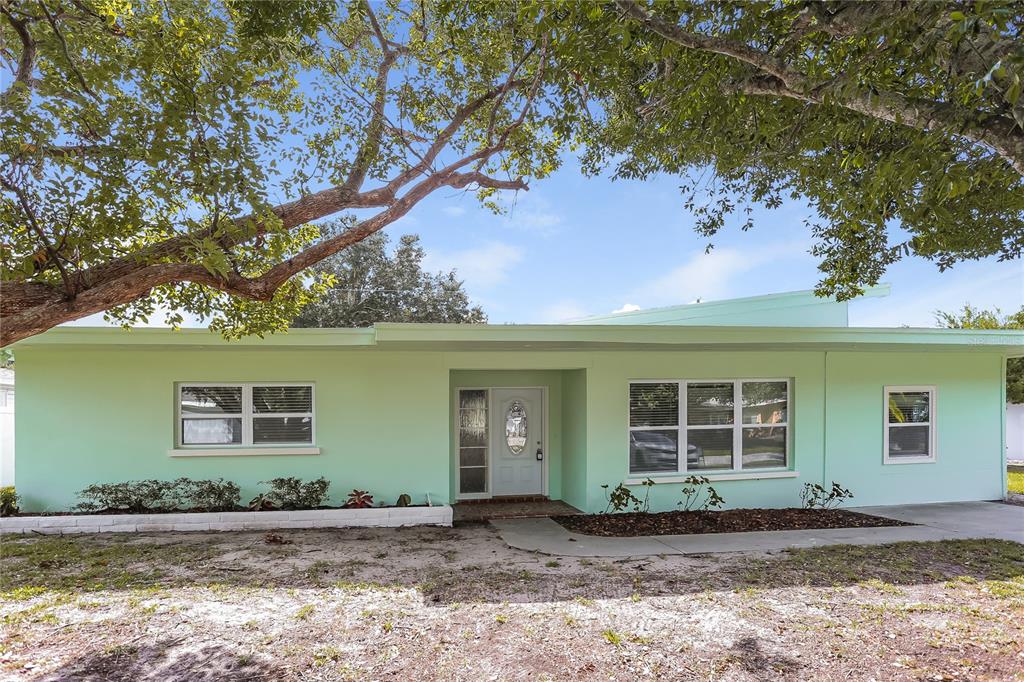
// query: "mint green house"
[[761, 395]]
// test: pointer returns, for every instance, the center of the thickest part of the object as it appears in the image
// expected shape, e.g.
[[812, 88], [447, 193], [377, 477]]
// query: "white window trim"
[[246, 447], [737, 472], [932, 453], [748, 475], [239, 451]]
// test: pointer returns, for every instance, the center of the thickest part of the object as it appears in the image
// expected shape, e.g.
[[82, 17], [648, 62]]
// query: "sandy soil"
[[458, 604]]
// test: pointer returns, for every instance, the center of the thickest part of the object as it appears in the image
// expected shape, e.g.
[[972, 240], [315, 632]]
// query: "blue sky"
[[574, 246]]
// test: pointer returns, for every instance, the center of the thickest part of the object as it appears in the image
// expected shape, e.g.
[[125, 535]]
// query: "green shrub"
[[136, 497], [140, 497], [210, 495], [292, 493], [695, 490], [622, 498], [8, 501], [813, 496]]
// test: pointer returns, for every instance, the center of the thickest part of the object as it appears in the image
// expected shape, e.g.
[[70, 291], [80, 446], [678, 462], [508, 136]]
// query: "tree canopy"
[[970, 317], [175, 154], [178, 155], [369, 285], [900, 122]]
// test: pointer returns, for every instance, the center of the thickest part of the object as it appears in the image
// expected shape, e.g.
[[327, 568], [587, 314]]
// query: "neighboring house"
[[6, 427], [476, 411]]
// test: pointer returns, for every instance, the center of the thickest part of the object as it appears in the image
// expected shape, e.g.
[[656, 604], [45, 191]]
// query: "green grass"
[[62, 564], [1016, 482]]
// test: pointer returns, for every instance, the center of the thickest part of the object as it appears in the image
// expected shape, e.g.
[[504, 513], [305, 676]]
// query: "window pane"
[[473, 480], [653, 451], [211, 400], [472, 419], [473, 399], [472, 429], [709, 404], [709, 449], [472, 457], [270, 399], [765, 402], [908, 441], [654, 404], [282, 430], [764, 447], [908, 407], [211, 431]]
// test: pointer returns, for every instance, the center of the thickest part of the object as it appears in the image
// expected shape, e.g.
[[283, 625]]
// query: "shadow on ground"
[[169, 659]]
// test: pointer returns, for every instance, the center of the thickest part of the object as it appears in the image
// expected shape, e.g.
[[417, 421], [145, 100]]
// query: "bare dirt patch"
[[458, 604], [730, 521]]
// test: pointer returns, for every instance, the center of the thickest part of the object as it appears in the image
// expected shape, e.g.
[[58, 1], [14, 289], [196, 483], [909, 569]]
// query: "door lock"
[[540, 454]]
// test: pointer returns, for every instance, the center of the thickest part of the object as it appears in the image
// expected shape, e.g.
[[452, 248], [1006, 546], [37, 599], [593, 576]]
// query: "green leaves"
[[153, 136], [845, 133], [970, 317], [370, 283]]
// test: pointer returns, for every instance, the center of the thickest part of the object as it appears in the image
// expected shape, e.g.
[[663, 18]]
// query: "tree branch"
[[51, 253], [376, 127], [23, 74], [31, 308], [67, 53], [779, 80]]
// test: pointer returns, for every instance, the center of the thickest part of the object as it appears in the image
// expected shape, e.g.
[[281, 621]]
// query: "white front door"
[[517, 441]]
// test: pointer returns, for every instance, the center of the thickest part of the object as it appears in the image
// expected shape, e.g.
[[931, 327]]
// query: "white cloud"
[[710, 276], [454, 211], [984, 285], [533, 213], [627, 308], [481, 267], [562, 311]]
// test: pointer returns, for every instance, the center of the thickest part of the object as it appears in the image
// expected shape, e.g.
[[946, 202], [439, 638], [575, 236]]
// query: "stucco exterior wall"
[[969, 450], [384, 420], [1015, 431], [96, 416]]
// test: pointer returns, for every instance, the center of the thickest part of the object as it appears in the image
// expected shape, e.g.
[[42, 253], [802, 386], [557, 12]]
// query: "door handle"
[[540, 454]]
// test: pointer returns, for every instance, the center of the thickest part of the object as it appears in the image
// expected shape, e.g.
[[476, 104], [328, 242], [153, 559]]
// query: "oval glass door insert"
[[515, 427]]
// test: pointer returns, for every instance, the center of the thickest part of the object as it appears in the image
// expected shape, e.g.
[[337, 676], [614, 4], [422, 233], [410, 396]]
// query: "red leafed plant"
[[359, 499]]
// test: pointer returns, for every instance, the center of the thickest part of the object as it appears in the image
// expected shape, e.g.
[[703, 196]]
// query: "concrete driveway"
[[966, 519], [945, 521]]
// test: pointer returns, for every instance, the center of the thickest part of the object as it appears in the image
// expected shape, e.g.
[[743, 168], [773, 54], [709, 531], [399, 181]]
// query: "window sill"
[[241, 452], [723, 476], [908, 460]]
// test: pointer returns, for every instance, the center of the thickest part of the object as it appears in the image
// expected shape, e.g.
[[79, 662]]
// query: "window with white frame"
[[723, 425], [473, 441], [226, 415], [909, 424]]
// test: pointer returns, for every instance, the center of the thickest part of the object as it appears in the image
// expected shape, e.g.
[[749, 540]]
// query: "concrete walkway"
[[947, 521]]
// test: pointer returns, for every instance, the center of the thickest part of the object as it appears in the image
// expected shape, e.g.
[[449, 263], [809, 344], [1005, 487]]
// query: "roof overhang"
[[456, 337]]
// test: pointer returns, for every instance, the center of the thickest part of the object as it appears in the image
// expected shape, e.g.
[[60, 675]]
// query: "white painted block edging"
[[389, 517]]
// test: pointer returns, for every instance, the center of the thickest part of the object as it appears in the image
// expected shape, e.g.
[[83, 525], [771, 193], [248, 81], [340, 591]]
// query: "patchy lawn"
[[1016, 482], [459, 604]]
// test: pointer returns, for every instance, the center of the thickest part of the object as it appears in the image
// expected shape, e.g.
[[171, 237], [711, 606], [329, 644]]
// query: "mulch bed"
[[730, 521]]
